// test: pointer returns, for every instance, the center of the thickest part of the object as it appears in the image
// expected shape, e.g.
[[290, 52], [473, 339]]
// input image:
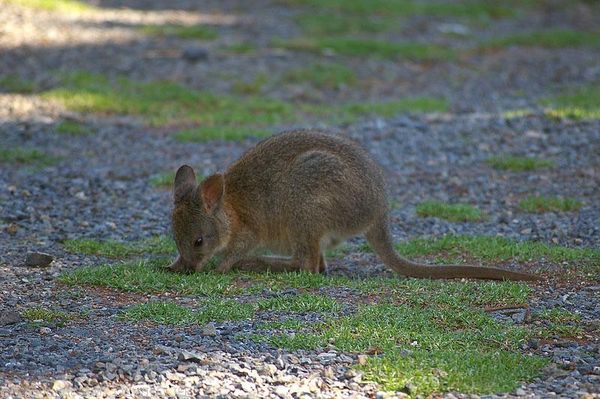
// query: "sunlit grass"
[[451, 212], [517, 163], [540, 204]]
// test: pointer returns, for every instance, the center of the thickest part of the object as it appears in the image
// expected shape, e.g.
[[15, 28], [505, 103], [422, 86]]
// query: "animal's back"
[[305, 183]]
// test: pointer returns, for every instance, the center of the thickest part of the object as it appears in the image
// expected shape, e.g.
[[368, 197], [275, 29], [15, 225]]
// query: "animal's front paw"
[[223, 268]]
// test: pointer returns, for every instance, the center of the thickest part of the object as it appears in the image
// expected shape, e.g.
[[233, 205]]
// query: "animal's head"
[[199, 222]]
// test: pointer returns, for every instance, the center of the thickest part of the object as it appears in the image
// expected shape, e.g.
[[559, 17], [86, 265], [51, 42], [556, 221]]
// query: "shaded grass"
[[451, 348], [202, 134], [314, 24], [170, 313], [200, 32], [557, 38], [240, 48], [582, 103], [516, 163], [300, 303], [44, 316], [14, 84], [159, 245], [463, 9], [73, 128], [557, 315], [498, 249], [29, 156], [451, 212], [162, 102], [358, 47], [540, 204], [166, 180], [322, 75], [254, 86], [149, 276], [55, 5], [390, 108]]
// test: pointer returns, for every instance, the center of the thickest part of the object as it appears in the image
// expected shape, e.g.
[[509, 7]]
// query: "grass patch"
[[451, 212], [583, 103], [461, 9], [240, 48], [391, 108], [252, 87], [55, 5], [459, 346], [159, 245], [498, 249], [300, 303], [558, 38], [45, 316], [202, 134], [516, 163], [322, 76], [557, 315], [149, 276], [540, 204], [199, 32], [29, 156], [357, 47], [338, 24], [162, 102], [73, 128], [166, 180], [213, 310], [14, 84]]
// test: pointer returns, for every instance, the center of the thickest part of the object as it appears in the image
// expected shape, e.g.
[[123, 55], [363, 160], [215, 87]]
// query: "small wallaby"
[[296, 193]]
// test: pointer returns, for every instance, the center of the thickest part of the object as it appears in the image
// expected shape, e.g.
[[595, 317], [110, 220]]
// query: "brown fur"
[[296, 193]]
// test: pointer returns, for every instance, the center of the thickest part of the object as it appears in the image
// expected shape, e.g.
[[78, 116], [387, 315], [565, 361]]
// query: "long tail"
[[380, 240]]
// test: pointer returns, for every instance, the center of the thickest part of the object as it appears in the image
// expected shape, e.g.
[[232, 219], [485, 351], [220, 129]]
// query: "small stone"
[[45, 331], [526, 231], [170, 392], [59, 385], [520, 392], [267, 370], [187, 356], [409, 389], [38, 259], [11, 228], [9, 317], [194, 54], [362, 359], [209, 330]]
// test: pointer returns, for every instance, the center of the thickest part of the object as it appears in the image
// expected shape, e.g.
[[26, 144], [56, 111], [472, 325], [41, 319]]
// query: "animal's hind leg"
[[322, 264], [309, 257]]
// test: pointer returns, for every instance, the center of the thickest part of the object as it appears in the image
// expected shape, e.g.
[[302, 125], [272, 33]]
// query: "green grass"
[[27, 156], [451, 212], [73, 128], [300, 303], [558, 38], [474, 9], [159, 245], [203, 134], [516, 163], [582, 103], [463, 348], [14, 84], [55, 5], [199, 32], [391, 108], [540, 204], [240, 48], [557, 315], [358, 47], [44, 316], [148, 276], [163, 103], [320, 24], [167, 179], [212, 310], [498, 249], [322, 75], [254, 86]]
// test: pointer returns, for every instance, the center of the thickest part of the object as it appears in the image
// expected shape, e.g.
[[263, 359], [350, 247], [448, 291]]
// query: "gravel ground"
[[100, 189]]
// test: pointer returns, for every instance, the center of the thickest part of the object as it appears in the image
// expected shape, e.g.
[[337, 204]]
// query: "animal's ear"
[[185, 182], [211, 192]]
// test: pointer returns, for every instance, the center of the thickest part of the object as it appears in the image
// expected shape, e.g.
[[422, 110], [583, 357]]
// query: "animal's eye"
[[198, 242]]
